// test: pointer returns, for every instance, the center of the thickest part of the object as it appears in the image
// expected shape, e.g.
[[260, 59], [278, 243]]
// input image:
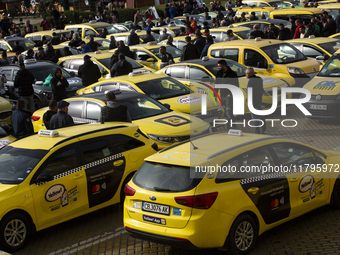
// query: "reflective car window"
[[96, 150], [123, 143], [196, 73], [231, 54], [92, 111], [75, 108], [177, 72], [331, 68], [311, 52], [251, 58]]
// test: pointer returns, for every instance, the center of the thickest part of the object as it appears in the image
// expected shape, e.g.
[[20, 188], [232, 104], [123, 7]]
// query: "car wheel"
[[37, 104], [336, 194], [242, 235], [15, 230], [122, 193]]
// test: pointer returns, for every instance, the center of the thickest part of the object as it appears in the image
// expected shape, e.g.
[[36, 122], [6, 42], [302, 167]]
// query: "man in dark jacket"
[[55, 39], [21, 121], [226, 75], [256, 32], [49, 52], [114, 58], [124, 49], [41, 43], [93, 45], [329, 27], [17, 47], [122, 67], [67, 52], [133, 38], [149, 37], [167, 11], [61, 118], [23, 82], [40, 55], [59, 85], [114, 111], [189, 51], [89, 72], [199, 41], [167, 58], [53, 109], [256, 83], [311, 31], [284, 33]]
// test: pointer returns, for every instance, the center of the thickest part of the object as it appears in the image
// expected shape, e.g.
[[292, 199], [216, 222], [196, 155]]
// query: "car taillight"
[[129, 191], [35, 118], [204, 201], [155, 146]]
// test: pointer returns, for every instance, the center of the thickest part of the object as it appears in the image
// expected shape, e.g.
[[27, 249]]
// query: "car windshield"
[[236, 67], [42, 72], [330, 47], [176, 53], [163, 177], [163, 88], [17, 164], [156, 36], [283, 53], [244, 34], [331, 68], [141, 107], [110, 30], [27, 44], [106, 62], [105, 44], [277, 4]]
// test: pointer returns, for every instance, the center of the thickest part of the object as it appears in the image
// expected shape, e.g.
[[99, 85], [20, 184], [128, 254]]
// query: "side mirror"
[[40, 83], [207, 79], [167, 106], [44, 177], [73, 74], [262, 64], [150, 60], [320, 58]]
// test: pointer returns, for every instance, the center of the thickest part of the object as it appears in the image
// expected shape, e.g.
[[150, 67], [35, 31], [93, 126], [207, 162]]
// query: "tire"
[[37, 103], [336, 194], [242, 235], [122, 193], [17, 222]]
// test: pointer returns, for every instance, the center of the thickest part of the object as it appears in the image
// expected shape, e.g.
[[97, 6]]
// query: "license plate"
[[3, 123], [156, 208], [318, 107]]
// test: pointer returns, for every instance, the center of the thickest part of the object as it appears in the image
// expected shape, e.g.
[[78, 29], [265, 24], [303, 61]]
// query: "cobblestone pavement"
[[102, 232]]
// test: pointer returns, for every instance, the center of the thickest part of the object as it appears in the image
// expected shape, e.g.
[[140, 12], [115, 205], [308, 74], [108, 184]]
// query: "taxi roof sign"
[[48, 133], [235, 132]]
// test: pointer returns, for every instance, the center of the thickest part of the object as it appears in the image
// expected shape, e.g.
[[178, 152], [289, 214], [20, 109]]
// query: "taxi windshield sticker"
[[174, 121], [189, 100], [326, 85]]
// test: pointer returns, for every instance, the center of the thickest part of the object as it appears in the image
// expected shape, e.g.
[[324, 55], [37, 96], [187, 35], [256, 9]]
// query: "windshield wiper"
[[163, 189]]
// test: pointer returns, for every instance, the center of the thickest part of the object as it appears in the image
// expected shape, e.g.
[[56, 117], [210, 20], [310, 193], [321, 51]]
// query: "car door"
[[76, 110], [75, 63], [142, 57], [308, 182], [66, 194], [256, 60], [308, 50], [178, 72]]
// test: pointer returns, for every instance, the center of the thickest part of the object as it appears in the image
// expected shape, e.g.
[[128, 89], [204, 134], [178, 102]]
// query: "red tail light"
[[155, 146], [129, 191], [204, 201], [35, 118]]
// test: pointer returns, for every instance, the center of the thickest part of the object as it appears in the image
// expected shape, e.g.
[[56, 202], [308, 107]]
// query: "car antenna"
[[195, 148]]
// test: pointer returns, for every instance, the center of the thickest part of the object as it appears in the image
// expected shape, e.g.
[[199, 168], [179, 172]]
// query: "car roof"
[[316, 40], [101, 95], [35, 64], [138, 78], [210, 62], [93, 24], [274, 21], [149, 46], [261, 1], [295, 10], [252, 42], [235, 29], [100, 55], [65, 134]]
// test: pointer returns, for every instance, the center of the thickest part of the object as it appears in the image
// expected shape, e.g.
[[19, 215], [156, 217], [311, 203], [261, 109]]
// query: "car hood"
[[323, 86], [172, 124], [308, 66], [7, 189], [5, 105]]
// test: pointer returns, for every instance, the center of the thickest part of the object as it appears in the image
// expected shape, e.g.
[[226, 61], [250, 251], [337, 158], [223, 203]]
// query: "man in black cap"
[[61, 118], [89, 72], [114, 111]]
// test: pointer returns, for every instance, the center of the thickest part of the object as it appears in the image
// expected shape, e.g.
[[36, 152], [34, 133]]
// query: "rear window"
[[165, 178]]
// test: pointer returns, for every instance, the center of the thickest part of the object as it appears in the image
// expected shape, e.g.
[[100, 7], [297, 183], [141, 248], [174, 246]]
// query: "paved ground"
[[102, 232]]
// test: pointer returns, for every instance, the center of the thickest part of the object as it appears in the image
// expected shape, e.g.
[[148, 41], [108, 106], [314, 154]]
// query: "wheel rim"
[[15, 232], [244, 236]]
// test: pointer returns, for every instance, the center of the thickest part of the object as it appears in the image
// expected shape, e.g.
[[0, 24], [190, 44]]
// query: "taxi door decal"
[[271, 198], [103, 179], [174, 121]]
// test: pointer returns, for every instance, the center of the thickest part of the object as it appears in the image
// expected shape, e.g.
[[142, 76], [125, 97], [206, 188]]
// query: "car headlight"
[[295, 70], [165, 139], [337, 97]]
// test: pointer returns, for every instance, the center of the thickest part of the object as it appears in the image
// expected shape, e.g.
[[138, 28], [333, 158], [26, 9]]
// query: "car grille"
[[324, 97], [5, 114]]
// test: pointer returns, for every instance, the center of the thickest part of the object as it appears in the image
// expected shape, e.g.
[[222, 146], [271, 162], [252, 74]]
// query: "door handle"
[[118, 162], [293, 179], [253, 190], [77, 176]]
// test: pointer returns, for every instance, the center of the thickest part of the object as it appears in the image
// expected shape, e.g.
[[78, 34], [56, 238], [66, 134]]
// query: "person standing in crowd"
[[329, 28], [149, 37], [133, 38], [160, 22], [52, 109], [256, 83], [5, 25], [17, 47], [62, 20], [170, 41], [298, 24], [4, 60], [76, 40], [173, 11], [189, 51], [124, 49], [114, 58], [114, 110], [209, 41], [67, 52], [63, 38], [164, 35], [256, 33], [21, 121], [230, 36], [55, 39], [311, 30], [226, 75], [45, 24], [40, 55], [167, 11], [122, 67], [150, 23], [272, 29], [284, 33], [199, 41], [61, 118], [302, 31], [113, 43], [56, 56], [145, 27], [293, 28], [167, 58], [253, 16], [89, 72], [59, 85], [49, 52], [23, 82]]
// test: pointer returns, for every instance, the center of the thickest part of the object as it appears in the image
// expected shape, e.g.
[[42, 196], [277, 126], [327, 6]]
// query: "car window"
[[27, 44], [251, 3], [331, 68], [264, 5], [311, 52], [89, 32], [121, 38], [196, 73], [75, 108], [293, 154], [180, 45], [75, 63], [123, 143], [176, 53], [4, 46], [65, 63], [126, 86], [105, 87], [251, 58], [216, 53], [92, 111], [283, 53], [143, 55], [96, 149], [217, 35], [40, 74], [61, 161], [7, 73], [231, 54], [176, 72]]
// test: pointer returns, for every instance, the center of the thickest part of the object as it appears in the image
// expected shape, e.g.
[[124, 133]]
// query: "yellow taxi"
[[193, 72], [148, 54], [259, 11], [57, 175], [101, 59], [179, 41], [304, 14], [93, 28], [224, 190], [5, 137], [5, 111], [263, 24], [156, 120], [166, 90], [326, 2], [270, 57], [325, 90], [124, 36], [7, 43], [105, 43], [319, 48], [221, 33], [334, 7], [336, 36], [264, 3], [37, 36]]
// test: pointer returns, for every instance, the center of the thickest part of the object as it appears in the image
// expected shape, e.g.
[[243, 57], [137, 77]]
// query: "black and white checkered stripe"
[[263, 177]]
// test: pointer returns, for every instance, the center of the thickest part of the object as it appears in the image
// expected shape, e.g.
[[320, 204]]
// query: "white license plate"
[[156, 208], [3, 123], [318, 107]]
